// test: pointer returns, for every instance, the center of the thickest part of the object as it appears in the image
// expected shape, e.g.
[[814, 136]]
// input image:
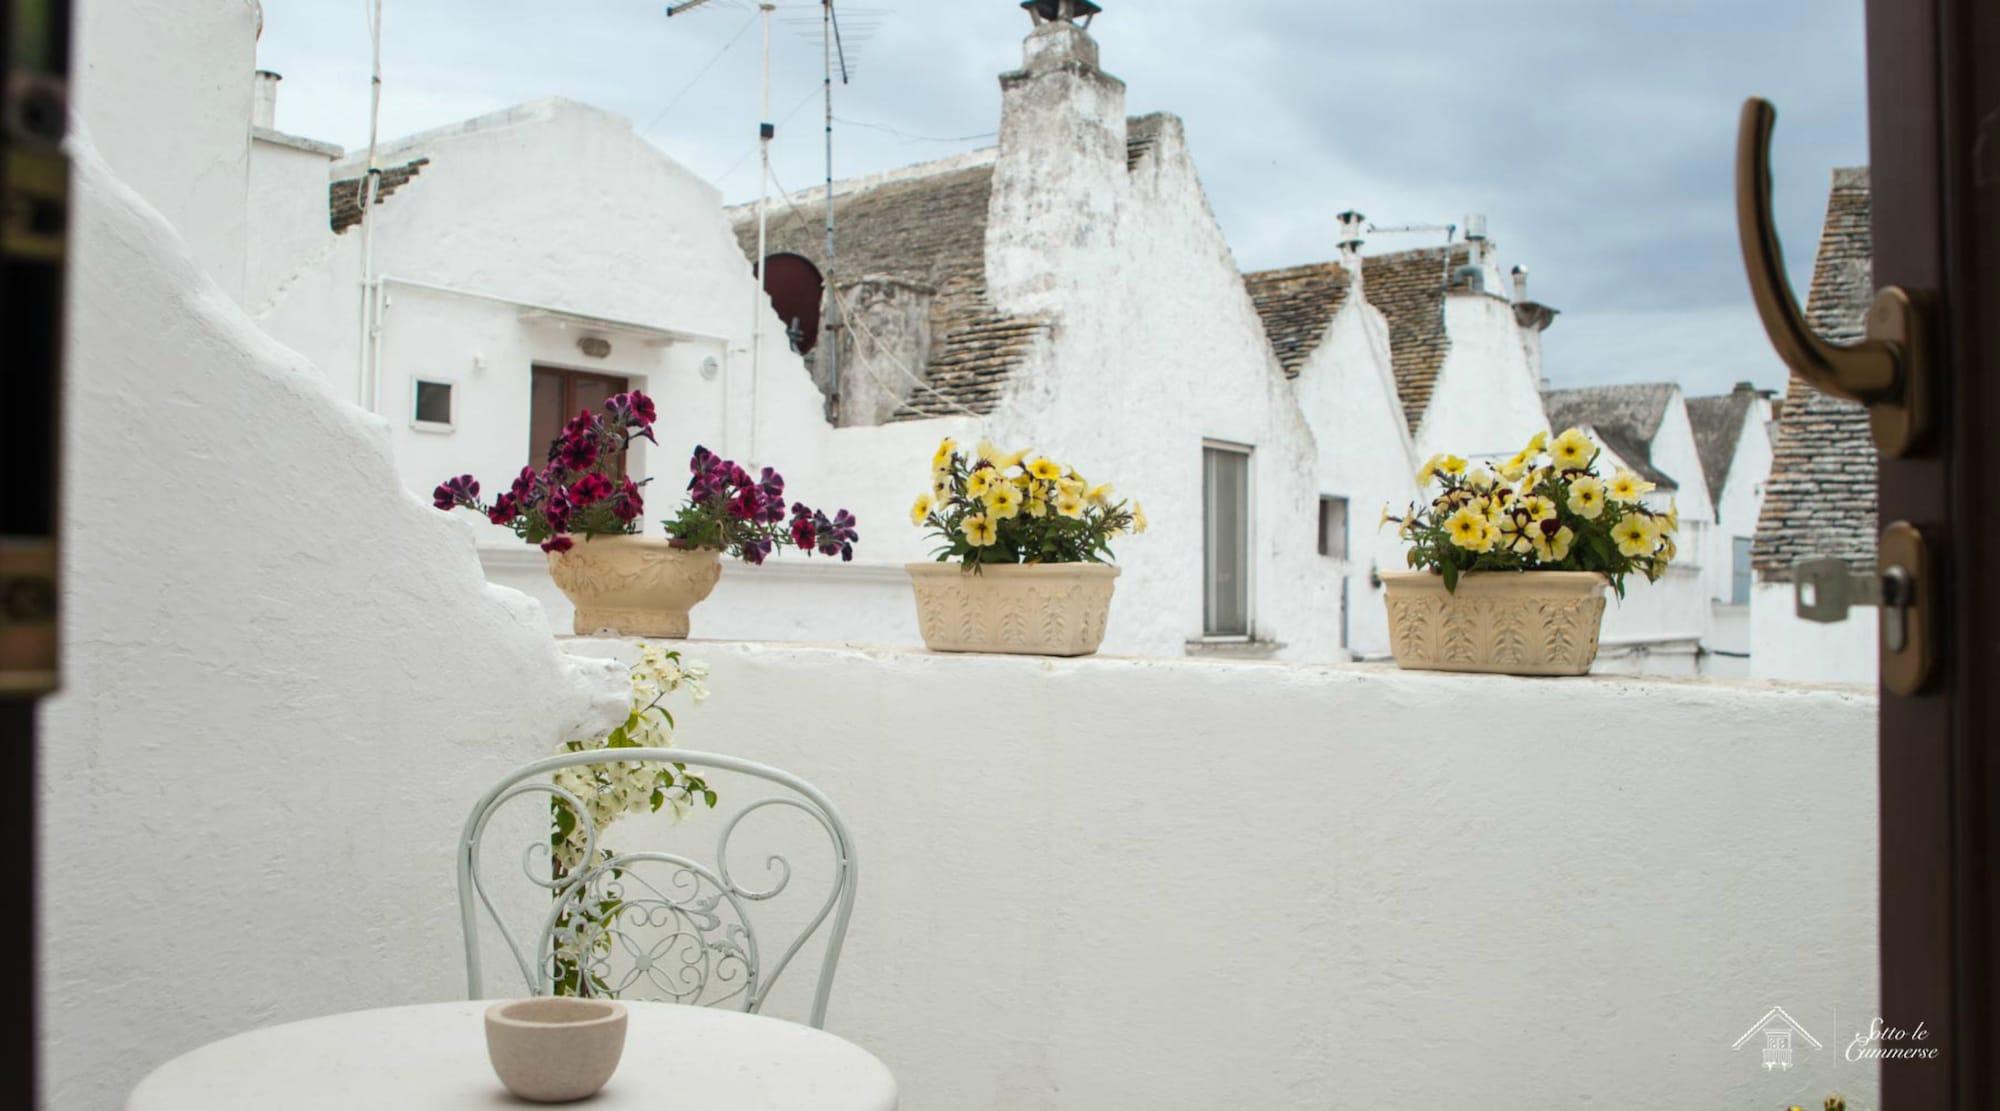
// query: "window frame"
[[417, 383]]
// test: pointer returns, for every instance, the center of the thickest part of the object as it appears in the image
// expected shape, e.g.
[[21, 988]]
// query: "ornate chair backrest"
[[621, 921]]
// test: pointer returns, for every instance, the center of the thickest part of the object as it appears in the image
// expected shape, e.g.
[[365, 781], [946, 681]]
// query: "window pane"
[[434, 402], [1333, 527], [1739, 583], [1226, 542]]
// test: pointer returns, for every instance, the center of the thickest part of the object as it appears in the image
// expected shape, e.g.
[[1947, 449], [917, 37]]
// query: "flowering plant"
[[745, 516], [1011, 507], [615, 788], [579, 489], [1545, 509]]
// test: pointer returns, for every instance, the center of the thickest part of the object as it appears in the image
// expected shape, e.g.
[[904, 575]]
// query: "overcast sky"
[[1596, 137]]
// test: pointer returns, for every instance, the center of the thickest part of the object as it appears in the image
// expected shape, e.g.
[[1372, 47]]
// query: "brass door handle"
[[1889, 371]]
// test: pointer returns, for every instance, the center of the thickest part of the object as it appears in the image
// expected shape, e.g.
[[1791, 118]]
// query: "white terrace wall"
[[284, 679], [1784, 645], [1101, 884], [164, 87]]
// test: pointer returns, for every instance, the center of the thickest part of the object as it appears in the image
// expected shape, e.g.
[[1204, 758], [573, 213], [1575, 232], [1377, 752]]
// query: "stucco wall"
[[164, 86], [1783, 646], [1107, 886], [276, 664]]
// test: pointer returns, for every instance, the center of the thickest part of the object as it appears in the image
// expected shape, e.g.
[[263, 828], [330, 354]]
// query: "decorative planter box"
[[633, 585], [1513, 622], [1028, 609]]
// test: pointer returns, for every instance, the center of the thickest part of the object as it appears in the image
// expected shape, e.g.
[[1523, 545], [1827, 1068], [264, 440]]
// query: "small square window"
[[433, 403], [1333, 527]]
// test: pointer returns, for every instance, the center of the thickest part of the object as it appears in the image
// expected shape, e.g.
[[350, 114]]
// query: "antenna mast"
[[830, 49]]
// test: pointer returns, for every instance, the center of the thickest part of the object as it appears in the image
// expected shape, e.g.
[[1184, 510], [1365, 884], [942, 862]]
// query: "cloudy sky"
[[1595, 136]]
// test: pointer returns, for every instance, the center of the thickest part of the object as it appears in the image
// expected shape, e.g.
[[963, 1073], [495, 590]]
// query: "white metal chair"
[[654, 919]]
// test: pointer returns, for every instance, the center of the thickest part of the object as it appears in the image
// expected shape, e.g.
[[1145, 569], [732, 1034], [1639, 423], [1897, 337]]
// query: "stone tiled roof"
[[929, 227], [1718, 427], [344, 196], [1625, 417], [1635, 454], [1637, 409], [1409, 287], [1820, 500], [1297, 303]]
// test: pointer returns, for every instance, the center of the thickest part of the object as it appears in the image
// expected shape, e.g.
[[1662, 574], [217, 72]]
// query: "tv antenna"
[[839, 32]]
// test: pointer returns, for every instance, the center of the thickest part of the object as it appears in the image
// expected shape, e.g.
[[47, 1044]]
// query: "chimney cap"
[[1053, 11]]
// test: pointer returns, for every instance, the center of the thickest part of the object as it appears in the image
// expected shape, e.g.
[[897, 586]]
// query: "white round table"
[[434, 1056]]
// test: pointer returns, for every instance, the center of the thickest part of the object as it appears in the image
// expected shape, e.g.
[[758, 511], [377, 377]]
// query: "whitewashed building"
[[1068, 290]]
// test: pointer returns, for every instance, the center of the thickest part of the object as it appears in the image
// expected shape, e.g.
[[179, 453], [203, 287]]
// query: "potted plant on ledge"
[[1511, 561], [1024, 558], [619, 582]]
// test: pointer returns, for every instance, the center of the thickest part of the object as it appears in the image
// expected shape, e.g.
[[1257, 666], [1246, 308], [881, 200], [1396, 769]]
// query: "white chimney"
[[264, 108], [1520, 284]]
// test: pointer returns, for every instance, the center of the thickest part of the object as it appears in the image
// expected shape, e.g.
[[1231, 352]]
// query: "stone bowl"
[[555, 1049]]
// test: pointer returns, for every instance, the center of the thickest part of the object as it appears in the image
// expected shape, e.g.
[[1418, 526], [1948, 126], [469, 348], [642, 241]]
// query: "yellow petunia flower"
[[1672, 521], [1586, 498], [1383, 523], [1099, 494], [1628, 487], [1634, 536], [1513, 535], [979, 481], [1467, 529], [1139, 516], [921, 511], [1037, 504], [1429, 470], [1002, 501], [1046, 469], [979, 531], [1071, 485], [946, 447], [1552, 548], [1001, 459], [1480, 479], [1572, 450], [1537, 507], [1452, 465], [1069, 504], [1513, 469], [1536, 444]]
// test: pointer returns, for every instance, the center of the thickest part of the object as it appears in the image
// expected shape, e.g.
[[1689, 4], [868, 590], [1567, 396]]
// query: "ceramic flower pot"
[[633, 585], [1512, 622], [1029, 609]]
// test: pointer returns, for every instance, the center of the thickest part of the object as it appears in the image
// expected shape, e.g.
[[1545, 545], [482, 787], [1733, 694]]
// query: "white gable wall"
[[1347, 393], [1155, 350], [1487, 401]]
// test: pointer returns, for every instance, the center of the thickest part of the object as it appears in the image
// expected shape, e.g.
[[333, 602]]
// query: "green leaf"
[[1450, 571], [709, 797]]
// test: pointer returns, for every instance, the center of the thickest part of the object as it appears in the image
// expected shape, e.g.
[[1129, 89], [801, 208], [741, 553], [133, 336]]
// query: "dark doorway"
[[795, 287]]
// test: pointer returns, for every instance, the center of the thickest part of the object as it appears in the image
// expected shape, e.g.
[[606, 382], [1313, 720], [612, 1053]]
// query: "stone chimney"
[[1351, 225], [1060, 170], [264, 106]]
